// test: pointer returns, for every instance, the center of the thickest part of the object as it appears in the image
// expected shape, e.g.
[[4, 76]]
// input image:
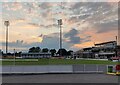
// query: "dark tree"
[[53, 51], [19, 54], [31, 50], [62, 52], [69, 53], [34, 50], [45, 50], [37, 49]]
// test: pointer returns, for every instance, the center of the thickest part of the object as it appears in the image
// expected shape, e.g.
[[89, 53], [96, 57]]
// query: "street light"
[[6, 23], [59, 24]]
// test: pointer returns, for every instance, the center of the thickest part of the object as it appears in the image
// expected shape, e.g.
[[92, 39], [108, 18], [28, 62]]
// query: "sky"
[[35, 23]]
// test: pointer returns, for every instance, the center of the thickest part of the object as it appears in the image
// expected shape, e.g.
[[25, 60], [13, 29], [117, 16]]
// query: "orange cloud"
[[35, 39], [113, 0], [83, 45], [97, 38]]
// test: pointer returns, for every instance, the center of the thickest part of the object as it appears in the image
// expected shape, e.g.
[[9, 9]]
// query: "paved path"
[[60, 78]]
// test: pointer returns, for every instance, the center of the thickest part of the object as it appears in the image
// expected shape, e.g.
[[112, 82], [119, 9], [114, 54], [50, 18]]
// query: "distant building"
[[35, 55], [106, 49], [100, 50], [118, 50], [84, 53]]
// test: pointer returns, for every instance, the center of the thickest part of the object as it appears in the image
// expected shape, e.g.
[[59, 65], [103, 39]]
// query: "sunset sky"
[[35, 23]]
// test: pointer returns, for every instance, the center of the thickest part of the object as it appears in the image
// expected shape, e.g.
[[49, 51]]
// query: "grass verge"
[[56, 62]]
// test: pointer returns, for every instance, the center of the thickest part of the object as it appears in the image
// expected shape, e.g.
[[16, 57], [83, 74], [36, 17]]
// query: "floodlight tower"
[[6, 23], [60, 27]]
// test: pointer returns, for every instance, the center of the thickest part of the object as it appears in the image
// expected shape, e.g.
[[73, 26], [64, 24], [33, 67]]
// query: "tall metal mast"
[[6, 23]]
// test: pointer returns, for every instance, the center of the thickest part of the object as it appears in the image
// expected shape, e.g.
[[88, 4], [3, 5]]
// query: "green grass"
[[55, 62]]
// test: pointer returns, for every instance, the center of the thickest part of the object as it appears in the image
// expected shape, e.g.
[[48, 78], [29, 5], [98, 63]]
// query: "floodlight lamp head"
[[7, 23]]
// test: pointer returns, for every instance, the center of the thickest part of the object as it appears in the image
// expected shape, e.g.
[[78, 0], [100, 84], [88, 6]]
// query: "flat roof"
[[35, 53], [105, 43]]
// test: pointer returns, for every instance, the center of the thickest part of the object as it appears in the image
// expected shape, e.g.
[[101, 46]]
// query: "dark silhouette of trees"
[[38, 49], [63, 52], [69, 53], [53, 52], [34, 50], [45, 50], [18, 54]]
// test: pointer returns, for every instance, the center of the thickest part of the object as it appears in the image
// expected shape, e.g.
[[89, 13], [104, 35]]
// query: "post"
[[59, 24], [6, 23], [60, 37], [84, 68], [116, 47], [116, 40], [97, 68]]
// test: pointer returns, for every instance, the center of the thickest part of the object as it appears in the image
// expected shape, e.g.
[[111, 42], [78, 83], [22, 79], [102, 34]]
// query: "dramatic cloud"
[[34, 24], [89, 18], [101, 15], [72, 36], [17, 43], [13, 6]]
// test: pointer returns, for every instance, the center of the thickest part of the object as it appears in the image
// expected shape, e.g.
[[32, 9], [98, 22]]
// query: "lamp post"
[[6, 23], [59, 24]]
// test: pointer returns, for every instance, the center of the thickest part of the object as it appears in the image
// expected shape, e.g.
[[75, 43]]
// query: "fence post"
[[97, 68], [84, 68]]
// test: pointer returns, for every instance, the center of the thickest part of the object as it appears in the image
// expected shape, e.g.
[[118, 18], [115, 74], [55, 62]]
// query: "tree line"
[[53, 52]]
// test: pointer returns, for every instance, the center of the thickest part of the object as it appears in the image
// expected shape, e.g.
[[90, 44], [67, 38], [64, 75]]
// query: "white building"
[[106, 49], [36, 55]]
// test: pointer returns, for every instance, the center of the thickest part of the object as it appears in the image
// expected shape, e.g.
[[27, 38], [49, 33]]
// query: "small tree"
[[45, 50], [34, 50], [53, 51], [62, 52], [69, 53], [37, 49]]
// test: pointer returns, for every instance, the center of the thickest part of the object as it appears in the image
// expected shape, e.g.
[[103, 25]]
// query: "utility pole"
[[60, 27], [6, 23], [14, 56]]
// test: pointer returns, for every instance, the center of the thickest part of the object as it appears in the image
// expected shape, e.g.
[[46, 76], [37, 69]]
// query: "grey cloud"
[[51, 25], [45, 5], [72, 35], [52, 41], [48, 26], [42, 25], [90, 9], [105, 27], [86, 39], [93, 5], [17, 43], [49, 41], [34, 24], [95, 14]]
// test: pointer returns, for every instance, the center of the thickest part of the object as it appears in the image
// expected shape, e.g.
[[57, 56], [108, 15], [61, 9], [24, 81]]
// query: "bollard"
[[117, 69], [110, 70]]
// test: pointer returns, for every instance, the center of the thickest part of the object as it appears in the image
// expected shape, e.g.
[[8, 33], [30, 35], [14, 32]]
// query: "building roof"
[[105, 43], [89, 48], [37, 53]]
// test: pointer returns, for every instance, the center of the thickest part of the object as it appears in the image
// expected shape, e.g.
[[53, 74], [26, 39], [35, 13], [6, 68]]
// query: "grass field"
[[54, 62]]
